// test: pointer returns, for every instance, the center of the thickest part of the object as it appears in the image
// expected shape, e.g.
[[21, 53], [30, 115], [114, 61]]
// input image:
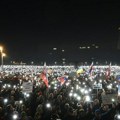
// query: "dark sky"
[[29, 29]]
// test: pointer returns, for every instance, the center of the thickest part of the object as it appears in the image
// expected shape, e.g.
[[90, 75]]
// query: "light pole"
[[1, 52], [3, 55]]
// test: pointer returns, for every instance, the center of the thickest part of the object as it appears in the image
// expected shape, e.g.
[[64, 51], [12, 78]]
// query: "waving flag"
[[118, 78], [43, 75], [108, 72], [119, 90], [91, 69], [62, 79], [80, 70]]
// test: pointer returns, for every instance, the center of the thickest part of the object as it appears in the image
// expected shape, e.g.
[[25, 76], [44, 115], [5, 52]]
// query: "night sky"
[[29, 30]]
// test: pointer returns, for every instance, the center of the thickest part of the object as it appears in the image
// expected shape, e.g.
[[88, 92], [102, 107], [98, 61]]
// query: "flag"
[[62, 79], [91, 69], [119, 90], [80, 70], [118, 77], [43, 75], [108, 72]]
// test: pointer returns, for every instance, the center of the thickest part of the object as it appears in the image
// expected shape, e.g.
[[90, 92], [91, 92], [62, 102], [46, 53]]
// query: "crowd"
[[69, 94]]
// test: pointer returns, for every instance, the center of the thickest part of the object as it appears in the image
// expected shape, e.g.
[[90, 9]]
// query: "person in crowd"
[[65, 98]]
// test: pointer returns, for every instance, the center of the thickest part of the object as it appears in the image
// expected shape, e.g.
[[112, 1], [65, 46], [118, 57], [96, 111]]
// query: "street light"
[[3, 55], [1, 51], [54, 48]]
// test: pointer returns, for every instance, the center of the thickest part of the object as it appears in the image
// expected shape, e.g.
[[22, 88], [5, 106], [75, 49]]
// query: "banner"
[[97, 86], [109, 98], [27, 87]]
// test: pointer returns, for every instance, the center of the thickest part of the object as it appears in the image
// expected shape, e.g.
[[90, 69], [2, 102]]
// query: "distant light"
[[78, 98], [100, 81], [70, 94], [82, 90], [14, 86], [88, 47], [55, 87], [3, 54], [83, 83], [1, 48], [86, 92], [118, 116], [63, 59], [67, 84], [90, 90], [48, 105], [63, 50], [54, 48], [82, 47], [27, 95], [96, 46], [15, 117], [21, 101], [5, 100], [113, 100], [87, 98], [14, 62], [9, 86], [75, 95]]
